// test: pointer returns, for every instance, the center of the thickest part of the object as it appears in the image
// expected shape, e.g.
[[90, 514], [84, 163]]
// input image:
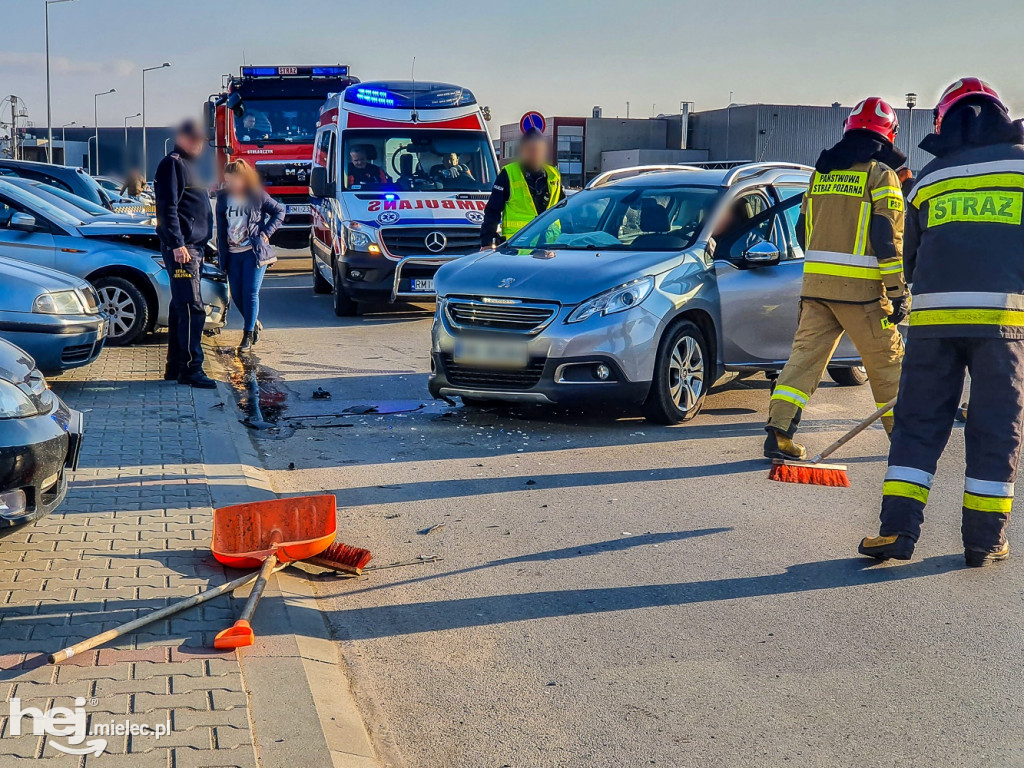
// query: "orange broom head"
[[239, 635], [342, 557], [832, 475]]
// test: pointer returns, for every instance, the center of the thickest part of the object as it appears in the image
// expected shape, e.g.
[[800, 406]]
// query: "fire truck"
[[401, 175], [268, 116]]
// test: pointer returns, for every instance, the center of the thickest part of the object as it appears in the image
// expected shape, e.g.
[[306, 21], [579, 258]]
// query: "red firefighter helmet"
[[874, 115], [960, 90]]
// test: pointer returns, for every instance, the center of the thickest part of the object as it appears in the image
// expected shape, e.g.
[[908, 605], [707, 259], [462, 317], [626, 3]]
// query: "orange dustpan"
[[263, 534]]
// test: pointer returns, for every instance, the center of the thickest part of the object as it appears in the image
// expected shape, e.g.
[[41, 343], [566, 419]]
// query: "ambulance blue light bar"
[[286, 71], [409, 95]]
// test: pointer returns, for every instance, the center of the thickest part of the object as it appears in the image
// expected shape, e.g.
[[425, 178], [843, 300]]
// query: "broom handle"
[[854, 432], [131, 626], [257, 590]]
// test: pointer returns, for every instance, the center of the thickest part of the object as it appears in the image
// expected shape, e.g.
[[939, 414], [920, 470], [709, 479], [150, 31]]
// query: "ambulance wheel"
[[320, 283], [848, 377], [344, 305], [680, 376]]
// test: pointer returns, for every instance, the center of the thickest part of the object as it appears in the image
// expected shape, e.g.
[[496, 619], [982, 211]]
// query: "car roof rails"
[[624, 173], [753, 169]]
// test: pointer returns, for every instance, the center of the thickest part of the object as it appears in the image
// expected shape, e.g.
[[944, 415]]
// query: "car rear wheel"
[[848, 377], [127, 308], [320, 284], [344, 305], [680, 376]]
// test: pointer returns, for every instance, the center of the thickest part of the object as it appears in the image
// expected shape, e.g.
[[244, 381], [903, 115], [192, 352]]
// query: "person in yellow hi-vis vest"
[[851, 229], [524, 188]]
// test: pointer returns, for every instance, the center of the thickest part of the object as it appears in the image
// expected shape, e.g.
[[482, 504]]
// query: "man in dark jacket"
[[964, 253], [523, 189], [183, 223]]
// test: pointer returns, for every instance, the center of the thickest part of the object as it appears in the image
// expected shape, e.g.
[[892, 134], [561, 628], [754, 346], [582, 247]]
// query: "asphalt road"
[[614, 593]]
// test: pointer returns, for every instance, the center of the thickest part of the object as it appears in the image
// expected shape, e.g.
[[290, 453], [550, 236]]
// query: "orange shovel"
[[262, 534]]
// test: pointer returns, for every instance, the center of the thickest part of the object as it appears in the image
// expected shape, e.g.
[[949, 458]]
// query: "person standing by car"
[[523, 189], [851, 229], [134, 184], [247, 217], [965, 255], [183, 224]]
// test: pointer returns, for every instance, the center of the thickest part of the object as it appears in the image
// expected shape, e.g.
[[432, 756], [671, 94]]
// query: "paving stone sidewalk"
[[132, 536]]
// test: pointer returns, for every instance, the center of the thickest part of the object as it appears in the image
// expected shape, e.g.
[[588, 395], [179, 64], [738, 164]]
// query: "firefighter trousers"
[[819, 330], [933, 378]]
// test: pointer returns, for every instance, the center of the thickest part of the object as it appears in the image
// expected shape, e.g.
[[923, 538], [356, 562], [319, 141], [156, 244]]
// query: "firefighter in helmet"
[[965, 255], [524, 188], [851, 230]]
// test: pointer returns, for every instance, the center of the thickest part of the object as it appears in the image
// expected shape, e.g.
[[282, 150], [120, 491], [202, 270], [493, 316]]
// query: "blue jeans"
[[245, 276]]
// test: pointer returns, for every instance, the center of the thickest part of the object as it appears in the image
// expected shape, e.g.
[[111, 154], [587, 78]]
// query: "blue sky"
[[558, 56]]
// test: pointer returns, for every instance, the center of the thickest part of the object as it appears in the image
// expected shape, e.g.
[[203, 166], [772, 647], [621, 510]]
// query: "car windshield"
[[418, 160], [67, 201], [278, 121], [39, 206], [621, 218]]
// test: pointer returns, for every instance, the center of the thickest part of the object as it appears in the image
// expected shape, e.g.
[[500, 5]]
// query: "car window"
[[35, 176], [10, 207], [621, 218], [771, 225], [40, 208]]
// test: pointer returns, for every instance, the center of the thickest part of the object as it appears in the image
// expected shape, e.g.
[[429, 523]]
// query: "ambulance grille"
[[412, 241]]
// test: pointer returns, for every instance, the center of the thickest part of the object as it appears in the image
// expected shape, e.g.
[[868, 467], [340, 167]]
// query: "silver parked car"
[[53, 316], [648, 287], [122, 261]]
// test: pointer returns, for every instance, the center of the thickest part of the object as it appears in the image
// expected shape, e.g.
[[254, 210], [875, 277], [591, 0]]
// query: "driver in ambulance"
[[361, 170]]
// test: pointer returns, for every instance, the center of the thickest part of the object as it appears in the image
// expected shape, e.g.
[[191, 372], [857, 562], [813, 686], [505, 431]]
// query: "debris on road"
[[321, 394], [431, 529]]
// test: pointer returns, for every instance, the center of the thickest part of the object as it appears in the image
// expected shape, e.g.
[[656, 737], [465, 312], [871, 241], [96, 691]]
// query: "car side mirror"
[[318, 184], [762, 254], [23, 222]]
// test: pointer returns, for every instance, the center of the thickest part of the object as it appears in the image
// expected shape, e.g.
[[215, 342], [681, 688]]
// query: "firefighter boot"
[[977, 558], [778, 446], [887, 547]]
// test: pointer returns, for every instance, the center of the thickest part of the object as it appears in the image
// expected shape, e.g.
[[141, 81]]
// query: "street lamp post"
[[96, 120], [49, 119], [126, 119], [145, 155], [911, 103], [64, 141]]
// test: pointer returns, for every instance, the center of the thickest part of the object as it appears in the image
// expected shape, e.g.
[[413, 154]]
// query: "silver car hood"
[[16, 274], [101, 228], [567, 277]]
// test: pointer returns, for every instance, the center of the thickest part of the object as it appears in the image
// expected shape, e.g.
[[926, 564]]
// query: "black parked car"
[[70, 179], [39, 441]]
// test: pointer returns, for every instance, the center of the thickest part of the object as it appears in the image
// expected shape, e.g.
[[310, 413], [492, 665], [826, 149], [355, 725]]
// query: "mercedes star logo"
[[435, 242]]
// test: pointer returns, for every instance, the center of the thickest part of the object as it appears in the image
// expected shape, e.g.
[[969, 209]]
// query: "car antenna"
[[415, 114]]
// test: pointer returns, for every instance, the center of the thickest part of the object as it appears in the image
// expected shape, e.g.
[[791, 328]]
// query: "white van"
[[400, 178]]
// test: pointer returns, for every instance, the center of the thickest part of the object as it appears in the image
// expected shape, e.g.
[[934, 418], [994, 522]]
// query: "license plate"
[[423, 285], [297, 208], [491, 353]]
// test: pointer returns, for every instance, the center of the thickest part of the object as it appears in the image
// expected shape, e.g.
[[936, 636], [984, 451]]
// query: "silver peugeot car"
[[121, 260], [648, 287]]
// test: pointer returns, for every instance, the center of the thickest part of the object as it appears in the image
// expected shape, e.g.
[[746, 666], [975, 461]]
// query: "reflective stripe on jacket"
[[965, 245], [840, 262], [520, 209]]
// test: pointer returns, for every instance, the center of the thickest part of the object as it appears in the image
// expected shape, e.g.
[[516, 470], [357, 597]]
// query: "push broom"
[[813, 472]]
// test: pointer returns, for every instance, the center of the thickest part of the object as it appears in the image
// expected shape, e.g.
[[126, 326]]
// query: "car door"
[[35, 246], [760, 302]]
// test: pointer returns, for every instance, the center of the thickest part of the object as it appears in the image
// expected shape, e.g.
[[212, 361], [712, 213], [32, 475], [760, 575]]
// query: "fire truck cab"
[[400, 178], [268, 116]]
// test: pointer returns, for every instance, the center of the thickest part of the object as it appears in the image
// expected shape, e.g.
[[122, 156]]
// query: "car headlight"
[[59, 303], [625, 296], [14, 404], [361, 239]]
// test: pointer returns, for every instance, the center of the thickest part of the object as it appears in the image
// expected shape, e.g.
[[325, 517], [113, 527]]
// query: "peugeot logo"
[[435, 242], [507, 282]]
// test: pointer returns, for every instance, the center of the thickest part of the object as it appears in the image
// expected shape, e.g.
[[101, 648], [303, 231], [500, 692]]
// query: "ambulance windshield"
[[420, 160]]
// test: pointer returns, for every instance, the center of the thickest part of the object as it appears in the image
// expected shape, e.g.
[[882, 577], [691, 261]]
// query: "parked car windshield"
[[37, 207], [622, 218], [67, 201]]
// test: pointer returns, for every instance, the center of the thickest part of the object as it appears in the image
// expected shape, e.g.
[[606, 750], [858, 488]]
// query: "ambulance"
[[401, 174]]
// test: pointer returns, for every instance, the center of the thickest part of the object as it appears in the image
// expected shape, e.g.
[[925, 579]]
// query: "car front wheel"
[[344, 305], [126, 307], [320, 284], [681, 376], [848, 377]]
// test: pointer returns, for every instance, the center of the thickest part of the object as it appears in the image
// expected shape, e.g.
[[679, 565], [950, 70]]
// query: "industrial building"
[[584, 147]]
